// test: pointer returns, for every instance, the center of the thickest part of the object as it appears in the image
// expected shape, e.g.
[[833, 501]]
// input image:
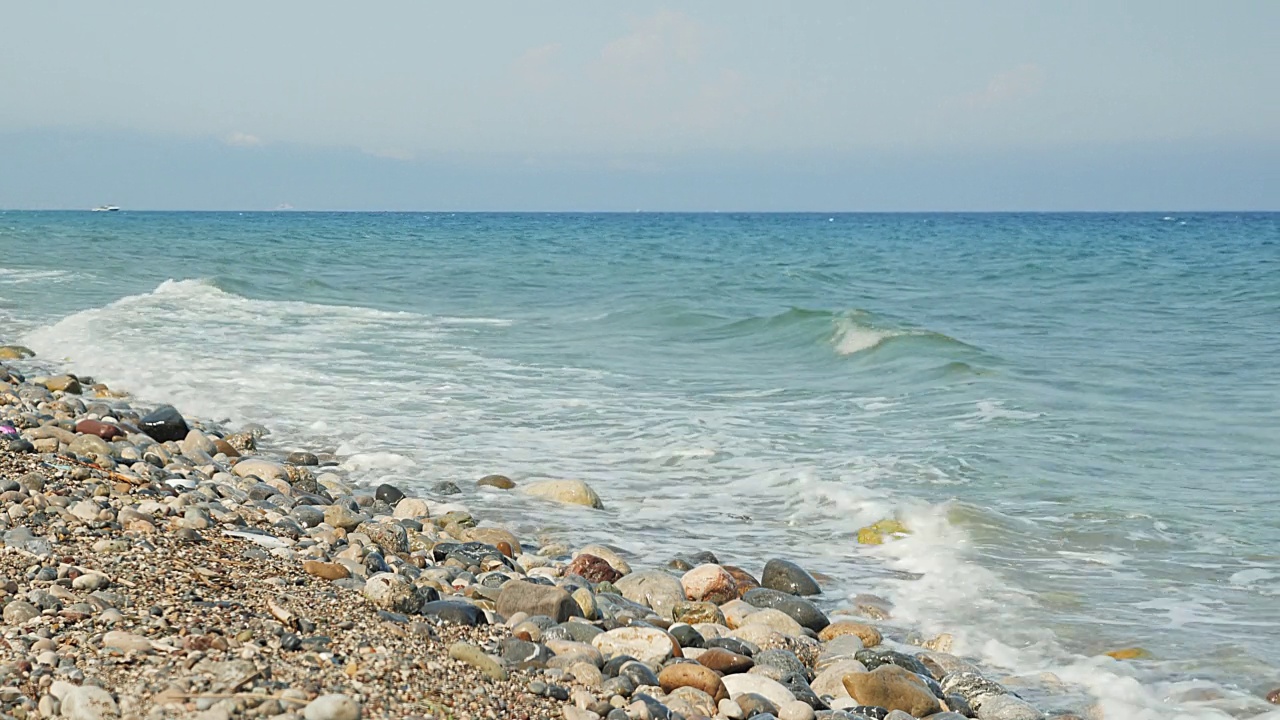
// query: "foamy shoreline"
[[429, 522]]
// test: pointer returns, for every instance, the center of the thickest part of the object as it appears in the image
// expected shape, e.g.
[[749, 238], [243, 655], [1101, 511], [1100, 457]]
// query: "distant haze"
[[717, 105]]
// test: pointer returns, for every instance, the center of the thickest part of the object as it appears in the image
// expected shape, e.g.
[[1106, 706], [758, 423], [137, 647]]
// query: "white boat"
[[105, 208]]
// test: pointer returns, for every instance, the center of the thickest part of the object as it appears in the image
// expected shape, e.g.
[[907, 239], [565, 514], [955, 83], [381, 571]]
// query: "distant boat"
[[105, 208]]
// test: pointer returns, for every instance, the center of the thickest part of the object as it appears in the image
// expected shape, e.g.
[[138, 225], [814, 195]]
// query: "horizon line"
[[305, 211]]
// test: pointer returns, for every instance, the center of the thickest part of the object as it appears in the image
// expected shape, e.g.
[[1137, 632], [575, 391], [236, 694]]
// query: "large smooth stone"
[[341, 516], [745, 683], [693, 675], [103, 430], [725, 662], [788, 577], [972, 687], [534, 599], [800, 610], [502, 482], [869, 636], [874, 658], [709, 582], [19, 611], [89, 445], [656, 589], [260, 468], [593, 568], [163, 424], [64, 383], [609, 555], [197, 442], [332, 707], [775, 620], [411, 508], [646, 644], [830, 681], [746, 581], [894, 688], [571, 492], [479, 659], [456, 612], [15, 352], [389, 591], [88, 702]]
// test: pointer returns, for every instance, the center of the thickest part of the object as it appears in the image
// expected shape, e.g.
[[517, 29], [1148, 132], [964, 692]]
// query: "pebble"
[[776, 692], [788, 577], [796, 710], [332, 707], [501, 482], [571, 492], [370, 589], [476, 657], [894, 688], [648, 645]]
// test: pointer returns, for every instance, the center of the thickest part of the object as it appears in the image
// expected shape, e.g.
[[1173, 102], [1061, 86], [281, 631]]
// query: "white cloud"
[[654, 46], [1022, 81], [536, 67], [239, 139]]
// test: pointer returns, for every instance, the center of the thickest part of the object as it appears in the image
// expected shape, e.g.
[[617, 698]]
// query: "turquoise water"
[[1078, 415]]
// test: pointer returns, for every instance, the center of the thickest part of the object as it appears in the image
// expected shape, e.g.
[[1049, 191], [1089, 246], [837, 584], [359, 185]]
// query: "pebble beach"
[[161, 566]]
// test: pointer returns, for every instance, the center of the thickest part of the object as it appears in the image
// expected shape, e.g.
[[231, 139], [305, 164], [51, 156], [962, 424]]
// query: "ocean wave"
[[846, 332]]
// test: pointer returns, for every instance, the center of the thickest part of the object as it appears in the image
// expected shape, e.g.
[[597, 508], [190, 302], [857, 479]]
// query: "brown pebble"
[[1273, 697], [692, 675], [745, 580], [101, 429], [225, 448], [725, 662], [869, 636], [595, 569], [328, 571]]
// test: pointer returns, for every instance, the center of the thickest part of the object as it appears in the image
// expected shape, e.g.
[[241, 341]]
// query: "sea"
[[1076, 416]]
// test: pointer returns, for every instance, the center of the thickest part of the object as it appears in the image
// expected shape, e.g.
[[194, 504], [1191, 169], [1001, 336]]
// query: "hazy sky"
[[597, 105]]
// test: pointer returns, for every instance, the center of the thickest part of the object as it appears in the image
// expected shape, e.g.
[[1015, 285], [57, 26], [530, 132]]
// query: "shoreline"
[[350, 542]]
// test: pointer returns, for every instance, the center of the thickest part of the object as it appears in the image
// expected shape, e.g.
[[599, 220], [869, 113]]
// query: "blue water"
[[1077, 415]]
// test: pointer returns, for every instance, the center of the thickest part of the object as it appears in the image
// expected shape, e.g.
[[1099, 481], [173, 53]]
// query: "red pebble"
[[102, 430]]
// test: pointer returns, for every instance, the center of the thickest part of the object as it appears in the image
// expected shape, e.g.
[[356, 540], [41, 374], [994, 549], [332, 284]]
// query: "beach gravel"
[[159, 566]]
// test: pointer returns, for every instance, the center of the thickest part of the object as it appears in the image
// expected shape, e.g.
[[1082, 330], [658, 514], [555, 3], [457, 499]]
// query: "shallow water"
[[1077, 415]]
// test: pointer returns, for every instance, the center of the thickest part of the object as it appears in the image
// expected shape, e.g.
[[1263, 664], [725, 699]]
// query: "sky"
[[713, 105]]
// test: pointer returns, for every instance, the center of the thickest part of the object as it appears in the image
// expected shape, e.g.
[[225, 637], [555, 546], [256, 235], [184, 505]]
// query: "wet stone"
[[163, 424], [502, 482], [389, 494], [875, 658], [594, 569], [446, 488], [971, 687], [800, 610], [733, 645], [788, 577], [303, 458]]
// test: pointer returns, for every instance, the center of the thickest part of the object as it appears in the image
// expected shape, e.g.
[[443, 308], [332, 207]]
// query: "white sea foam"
[[851, 337], [405, 398]]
